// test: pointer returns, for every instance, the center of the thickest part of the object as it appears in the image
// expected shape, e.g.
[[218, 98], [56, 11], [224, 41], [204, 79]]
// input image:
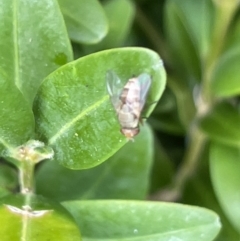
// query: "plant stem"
[[26, 176], [27, 156], [206, 101], [187, 169], [196, 138], [192, 155]]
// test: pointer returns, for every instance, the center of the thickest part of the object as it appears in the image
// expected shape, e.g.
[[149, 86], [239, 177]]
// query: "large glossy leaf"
[[138, 221], [73, 111], [225, 174], [188, 28], [225, 80], [85, 19], [34, 218], [33, 42], [222, 124], [17, 120], [119, 26], [125, 175]]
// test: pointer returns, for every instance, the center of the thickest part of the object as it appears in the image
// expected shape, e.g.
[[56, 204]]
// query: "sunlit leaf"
[[35, 218]]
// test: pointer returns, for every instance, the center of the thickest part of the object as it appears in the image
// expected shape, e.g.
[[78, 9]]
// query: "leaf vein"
[[69, 124]]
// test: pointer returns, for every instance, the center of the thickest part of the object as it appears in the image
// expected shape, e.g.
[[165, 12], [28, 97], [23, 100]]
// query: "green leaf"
[[184, 100], [85, 19], [136, 220], [17, 120], [73, 111], [120, 15], [222, 124], [164, 117], [33, 42], [8, 180], [198, 191], [125, 175], [35, 218], [225, 79], [188, 30], [233, 37], [225, 167]]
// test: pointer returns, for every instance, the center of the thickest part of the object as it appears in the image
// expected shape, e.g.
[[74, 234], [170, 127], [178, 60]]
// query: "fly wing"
[[114, 87], [145, 83]]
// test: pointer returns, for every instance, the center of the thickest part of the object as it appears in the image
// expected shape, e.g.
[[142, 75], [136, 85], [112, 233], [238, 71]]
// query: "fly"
[[128, 101]]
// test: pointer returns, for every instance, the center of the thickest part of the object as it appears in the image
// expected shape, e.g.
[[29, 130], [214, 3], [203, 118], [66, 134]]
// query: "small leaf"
[[85, 19], [125, 175], [74, 113], [225, 80], [120, 15], [33, 42], [233, 37], [141, 221], [35, 218], [197, 19], [222, 124], [188, 30], [17, 120], [225, 167]]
